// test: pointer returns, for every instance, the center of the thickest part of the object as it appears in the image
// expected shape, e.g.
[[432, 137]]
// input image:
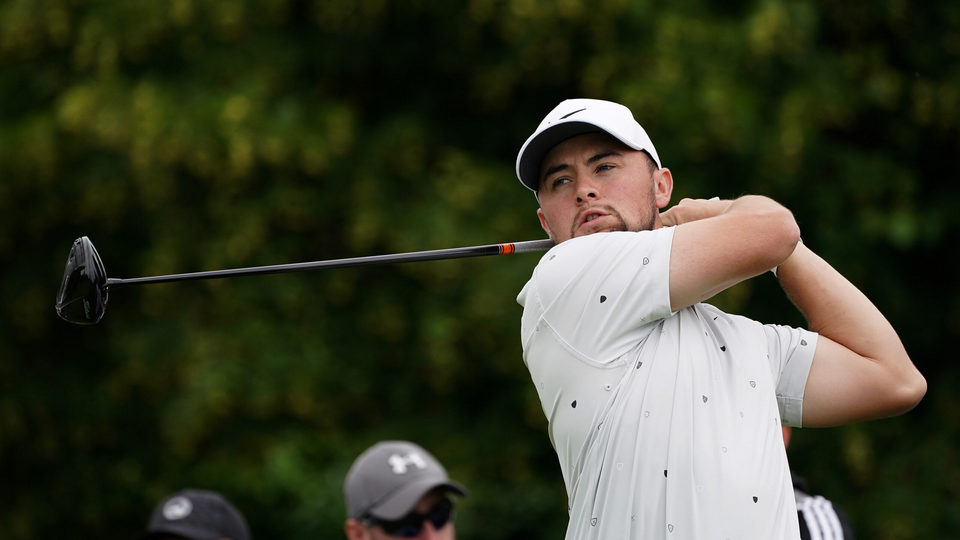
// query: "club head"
[[83, 292]]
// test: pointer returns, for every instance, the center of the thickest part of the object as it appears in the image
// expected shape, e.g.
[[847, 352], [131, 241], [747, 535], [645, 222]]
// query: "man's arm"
[[860, 369], [719, 243]]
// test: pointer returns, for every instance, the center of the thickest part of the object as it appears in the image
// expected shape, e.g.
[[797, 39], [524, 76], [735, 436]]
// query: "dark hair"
[[651, 163]]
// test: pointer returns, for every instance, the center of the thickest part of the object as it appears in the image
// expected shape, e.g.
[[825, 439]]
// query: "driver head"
[[83, 292]]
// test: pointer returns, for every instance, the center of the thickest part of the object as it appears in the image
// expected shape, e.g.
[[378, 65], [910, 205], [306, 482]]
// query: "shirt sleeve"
[[600, 293], [790, 351]]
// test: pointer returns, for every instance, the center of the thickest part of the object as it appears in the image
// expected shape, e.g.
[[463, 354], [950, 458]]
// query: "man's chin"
[[586, 229]]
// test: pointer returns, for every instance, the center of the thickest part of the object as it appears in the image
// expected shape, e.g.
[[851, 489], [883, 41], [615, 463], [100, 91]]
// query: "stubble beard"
[[646, 223]]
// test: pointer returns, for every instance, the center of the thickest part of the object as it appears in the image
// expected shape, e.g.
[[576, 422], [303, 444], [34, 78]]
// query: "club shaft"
[[528, 246]]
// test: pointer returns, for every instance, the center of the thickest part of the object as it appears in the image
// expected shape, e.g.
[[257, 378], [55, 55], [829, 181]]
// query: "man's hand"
[[688, 210], [719, 243]]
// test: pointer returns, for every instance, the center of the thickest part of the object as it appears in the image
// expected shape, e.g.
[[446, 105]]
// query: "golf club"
[[85, 288]]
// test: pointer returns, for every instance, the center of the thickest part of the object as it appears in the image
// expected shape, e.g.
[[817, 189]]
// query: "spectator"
[[819, 518], [396, 489], [194, 514]]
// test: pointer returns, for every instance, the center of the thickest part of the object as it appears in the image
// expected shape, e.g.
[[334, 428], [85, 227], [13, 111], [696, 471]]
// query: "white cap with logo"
[[574, 117]]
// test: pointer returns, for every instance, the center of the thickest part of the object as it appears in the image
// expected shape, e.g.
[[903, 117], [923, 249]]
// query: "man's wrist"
[[776, 269]]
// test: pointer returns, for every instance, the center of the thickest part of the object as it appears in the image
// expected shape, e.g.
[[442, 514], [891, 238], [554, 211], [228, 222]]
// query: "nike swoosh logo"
[[573, 113]]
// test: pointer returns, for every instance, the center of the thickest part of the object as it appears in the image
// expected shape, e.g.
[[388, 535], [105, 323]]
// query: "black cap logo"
[[568, 115]]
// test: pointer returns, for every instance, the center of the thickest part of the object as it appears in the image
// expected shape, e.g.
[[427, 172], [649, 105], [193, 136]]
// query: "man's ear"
[[662, 187], [544, 225]]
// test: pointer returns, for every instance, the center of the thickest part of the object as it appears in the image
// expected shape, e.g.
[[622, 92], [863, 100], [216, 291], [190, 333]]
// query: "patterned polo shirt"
[[666, 424]]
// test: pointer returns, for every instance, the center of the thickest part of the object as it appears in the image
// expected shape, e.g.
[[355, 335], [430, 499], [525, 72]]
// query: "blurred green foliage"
[[189, 135]]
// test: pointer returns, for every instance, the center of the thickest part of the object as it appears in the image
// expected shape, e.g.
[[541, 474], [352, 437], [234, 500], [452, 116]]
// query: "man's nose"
[[428, 532], [587, 190]]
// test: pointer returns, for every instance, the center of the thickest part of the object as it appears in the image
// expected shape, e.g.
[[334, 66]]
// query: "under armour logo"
[[177, 508], [400, 463]]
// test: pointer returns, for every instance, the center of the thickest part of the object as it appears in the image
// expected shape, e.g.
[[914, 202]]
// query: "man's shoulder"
[[604, 248], [615, 238]]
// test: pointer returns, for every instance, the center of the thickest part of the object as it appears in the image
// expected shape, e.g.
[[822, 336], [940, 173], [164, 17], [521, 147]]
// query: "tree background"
[[188, 135]]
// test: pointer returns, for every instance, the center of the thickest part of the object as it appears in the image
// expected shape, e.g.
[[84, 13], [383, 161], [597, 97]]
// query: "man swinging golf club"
[[664, 411]]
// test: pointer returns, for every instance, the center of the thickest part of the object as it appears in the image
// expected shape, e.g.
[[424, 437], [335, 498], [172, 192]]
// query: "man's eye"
[[559, 181], [604, 167]]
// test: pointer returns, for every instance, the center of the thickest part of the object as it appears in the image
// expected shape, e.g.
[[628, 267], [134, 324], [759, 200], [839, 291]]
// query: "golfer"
[[664, 411]]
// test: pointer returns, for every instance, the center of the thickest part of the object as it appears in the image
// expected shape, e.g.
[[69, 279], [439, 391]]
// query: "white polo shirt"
[[666, 425]]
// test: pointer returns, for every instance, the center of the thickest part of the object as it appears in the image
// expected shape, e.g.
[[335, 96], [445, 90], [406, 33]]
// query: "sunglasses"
[[410, 525]]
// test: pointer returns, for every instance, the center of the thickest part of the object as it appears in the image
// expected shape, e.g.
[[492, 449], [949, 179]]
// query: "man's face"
[[594, 183], [429, 503]]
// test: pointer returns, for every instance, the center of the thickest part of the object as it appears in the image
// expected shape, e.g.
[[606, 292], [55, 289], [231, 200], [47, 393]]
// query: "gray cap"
[[388, 479], [197, 515]]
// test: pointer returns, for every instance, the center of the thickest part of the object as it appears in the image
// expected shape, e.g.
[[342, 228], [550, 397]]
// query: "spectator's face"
[[593, 183], [432, 504]]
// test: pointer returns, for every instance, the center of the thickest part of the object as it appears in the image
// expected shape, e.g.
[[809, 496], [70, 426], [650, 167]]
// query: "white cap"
[[574, 117]]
